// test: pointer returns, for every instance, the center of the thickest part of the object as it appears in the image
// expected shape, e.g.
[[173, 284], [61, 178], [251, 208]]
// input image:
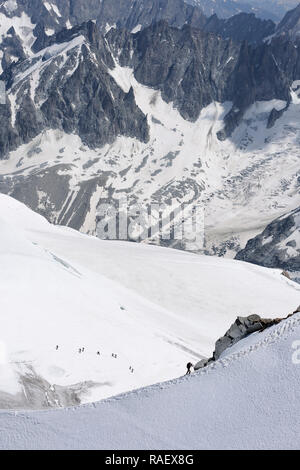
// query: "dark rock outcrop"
[[241, 27], [190, 67], [51, 19], [130, 14], [277, 246], [290, 25], [257, 77], [72, 86], [275, 114], [87, 101], [193, 68], [266, 9], [240, 329]]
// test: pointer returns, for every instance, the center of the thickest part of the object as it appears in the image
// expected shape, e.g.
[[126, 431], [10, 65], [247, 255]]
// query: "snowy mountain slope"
[[256, 386], [48, 301], [243, 183], [164, 116], [59, 287]]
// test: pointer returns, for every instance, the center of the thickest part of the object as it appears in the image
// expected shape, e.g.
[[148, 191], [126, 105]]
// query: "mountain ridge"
[[290, 24], [159, 114], [28, 24]]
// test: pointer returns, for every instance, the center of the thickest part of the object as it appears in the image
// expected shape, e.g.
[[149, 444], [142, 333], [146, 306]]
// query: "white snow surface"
[[155, 308], [247, 400], [23, 28]]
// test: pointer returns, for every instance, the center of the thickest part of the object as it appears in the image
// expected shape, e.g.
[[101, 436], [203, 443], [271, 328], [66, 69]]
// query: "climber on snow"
[[189, 366]]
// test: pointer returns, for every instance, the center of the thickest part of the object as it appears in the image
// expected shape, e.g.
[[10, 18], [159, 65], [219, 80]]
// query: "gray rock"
[[192, 69], [267, 9], [271, 248], [38, 394], [240, 329], [77, 95], [241, 27], [274, 116], [141, 13], [89, 102], [290, 24]]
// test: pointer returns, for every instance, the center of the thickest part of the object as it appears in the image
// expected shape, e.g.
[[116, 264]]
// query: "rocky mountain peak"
[[135, 101], [290, 25], [278, 245]]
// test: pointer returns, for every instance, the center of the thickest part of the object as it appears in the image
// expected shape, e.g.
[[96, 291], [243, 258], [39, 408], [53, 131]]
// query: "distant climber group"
[[189, 365], [82, 350]]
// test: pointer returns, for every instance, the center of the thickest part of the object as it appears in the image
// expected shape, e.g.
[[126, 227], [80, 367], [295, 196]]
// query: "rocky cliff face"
[[241, 27], [189, 67], [73, 92], [266, 9], [193, 69], [66, 85], [290, 25], [163, 113], [239, 330], [26, 25], [278, 245]]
